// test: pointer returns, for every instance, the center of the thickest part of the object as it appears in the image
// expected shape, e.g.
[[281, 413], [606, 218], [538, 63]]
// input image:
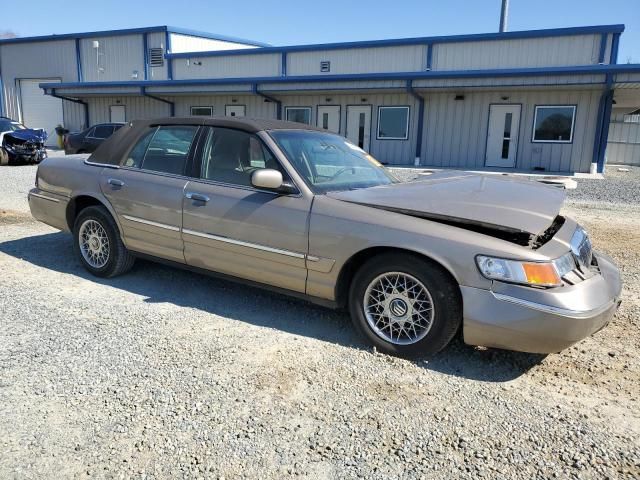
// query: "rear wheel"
[[98, 245], [405, 305]]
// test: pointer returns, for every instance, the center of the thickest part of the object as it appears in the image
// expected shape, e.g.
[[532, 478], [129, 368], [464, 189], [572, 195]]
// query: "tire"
[[98, 226], [428, 285]]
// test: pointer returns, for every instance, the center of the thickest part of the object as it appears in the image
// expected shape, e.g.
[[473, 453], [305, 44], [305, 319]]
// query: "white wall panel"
[[265, 65], [187, 43], [408, 58], [115, 59]]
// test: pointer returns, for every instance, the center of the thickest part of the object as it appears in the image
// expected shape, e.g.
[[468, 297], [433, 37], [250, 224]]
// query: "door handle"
[[197, 196], [115, 182]]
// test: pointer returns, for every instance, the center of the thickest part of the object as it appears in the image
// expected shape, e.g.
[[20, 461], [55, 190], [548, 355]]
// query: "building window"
[[393, 123], [201, 111], [554, 123], [631, 118], [298, 114]]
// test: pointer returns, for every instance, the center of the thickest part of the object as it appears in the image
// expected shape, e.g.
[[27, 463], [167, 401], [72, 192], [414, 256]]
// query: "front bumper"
[[31, 156], [541, 321]]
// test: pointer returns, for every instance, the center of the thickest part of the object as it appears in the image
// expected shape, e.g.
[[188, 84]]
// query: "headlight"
[[539, 274]]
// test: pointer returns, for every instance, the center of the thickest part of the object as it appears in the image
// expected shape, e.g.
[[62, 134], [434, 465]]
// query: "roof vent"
[[156, 57]]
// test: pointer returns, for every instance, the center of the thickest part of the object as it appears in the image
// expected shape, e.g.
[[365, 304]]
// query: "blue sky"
[[289, 22]]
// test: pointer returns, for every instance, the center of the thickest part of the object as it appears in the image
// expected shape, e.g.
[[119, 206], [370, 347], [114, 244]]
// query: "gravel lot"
[[168, 374]]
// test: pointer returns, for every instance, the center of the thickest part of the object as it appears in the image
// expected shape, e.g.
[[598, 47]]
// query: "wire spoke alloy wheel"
[[398, 308], [94, 243]]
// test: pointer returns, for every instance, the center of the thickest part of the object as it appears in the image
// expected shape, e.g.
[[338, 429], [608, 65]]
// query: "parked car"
[[88, 140], [306, 212], [19, 144]]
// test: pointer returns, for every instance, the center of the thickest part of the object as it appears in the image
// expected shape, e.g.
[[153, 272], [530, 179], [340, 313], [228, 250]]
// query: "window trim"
[[191, 107], [310, 109], [93, 129], [406, 128], [573, 123], [198, 158]]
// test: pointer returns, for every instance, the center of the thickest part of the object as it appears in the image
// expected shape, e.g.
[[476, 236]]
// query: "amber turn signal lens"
[[541, 274]]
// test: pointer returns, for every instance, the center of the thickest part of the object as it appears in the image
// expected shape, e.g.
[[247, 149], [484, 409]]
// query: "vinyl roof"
[[247, 124]]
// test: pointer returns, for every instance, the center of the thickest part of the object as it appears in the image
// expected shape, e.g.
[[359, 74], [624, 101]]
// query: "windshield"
[[9, 126], [329, 162]]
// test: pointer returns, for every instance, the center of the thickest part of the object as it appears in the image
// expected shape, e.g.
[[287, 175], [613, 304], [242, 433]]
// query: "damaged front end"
[[24, 146]]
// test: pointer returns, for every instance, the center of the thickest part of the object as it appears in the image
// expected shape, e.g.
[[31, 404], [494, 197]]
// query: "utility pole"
[[504, 15]]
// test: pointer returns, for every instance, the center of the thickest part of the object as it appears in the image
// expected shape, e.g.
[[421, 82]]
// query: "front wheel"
[[98, 245], [405, 305]]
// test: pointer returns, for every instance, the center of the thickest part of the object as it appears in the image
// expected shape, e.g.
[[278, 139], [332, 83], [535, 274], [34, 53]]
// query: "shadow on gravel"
[[163, 284]]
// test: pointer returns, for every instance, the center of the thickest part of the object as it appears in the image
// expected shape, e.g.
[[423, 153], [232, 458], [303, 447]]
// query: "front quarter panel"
[[338, 230]]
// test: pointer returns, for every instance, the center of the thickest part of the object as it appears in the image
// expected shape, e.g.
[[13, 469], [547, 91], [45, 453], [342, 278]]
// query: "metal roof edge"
[[506, 72], [553, 32]]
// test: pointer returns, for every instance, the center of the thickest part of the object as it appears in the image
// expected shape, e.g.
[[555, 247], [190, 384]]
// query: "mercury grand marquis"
[[306, 212]]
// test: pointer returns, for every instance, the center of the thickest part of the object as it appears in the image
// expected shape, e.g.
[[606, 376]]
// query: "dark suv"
[[88, 140]]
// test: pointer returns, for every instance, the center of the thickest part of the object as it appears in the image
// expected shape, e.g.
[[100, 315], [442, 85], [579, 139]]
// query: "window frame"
[[308, 108], [573, 123], [406, 128], [198, 160], [191, 107], [188, 171]]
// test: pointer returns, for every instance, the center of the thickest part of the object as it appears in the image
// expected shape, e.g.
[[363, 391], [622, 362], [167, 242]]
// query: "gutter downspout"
[[172, 106], [420, 99], [73, 100], [278, 103]]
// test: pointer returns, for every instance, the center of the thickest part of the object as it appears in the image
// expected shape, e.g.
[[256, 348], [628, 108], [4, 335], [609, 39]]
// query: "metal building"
[[528, 100]]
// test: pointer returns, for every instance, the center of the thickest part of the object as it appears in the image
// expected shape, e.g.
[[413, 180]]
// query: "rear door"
[[146, 191], [233, 228]]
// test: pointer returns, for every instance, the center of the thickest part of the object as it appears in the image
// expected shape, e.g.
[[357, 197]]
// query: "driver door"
[[233, 228]]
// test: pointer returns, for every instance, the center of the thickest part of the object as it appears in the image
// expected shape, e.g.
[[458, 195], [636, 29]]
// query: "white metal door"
[[329, 117], [502, 135], [235, 110], [117, 113], [39, 110], [359, 125]]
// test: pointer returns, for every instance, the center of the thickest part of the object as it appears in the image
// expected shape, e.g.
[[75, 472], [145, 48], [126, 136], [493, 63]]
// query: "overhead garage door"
[[40, 110]]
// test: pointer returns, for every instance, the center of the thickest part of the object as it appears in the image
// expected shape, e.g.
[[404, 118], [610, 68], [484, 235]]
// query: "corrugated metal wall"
[[265, 65], [137, 108], [255, 106], [158, 40], [624, 142], [187, 43], [56, 59], [455, 132], [393, 152], [116, 58], [359, 60], [532, 52]]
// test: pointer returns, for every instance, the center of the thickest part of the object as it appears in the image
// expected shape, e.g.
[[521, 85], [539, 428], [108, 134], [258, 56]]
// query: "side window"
[[136, 155], [102, 131], [169, 148], [231, 156]]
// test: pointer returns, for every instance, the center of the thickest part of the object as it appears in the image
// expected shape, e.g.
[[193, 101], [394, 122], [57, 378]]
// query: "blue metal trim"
[[145, 54], [554, 32], [172, 106], [429, 55], [1, 93], [420, 129], [254, 89], [67, 36], [53, 93], [283, 64], [603, 47], [615, 44], [214, 36], [507, 72], [79, 61], [597, 140], [167, 39]]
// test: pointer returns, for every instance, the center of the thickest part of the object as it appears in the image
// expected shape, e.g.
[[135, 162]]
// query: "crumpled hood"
[[35, 135], [490, 200]]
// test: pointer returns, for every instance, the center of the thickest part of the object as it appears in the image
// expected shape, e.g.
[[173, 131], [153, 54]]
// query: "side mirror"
[[270, 179]]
